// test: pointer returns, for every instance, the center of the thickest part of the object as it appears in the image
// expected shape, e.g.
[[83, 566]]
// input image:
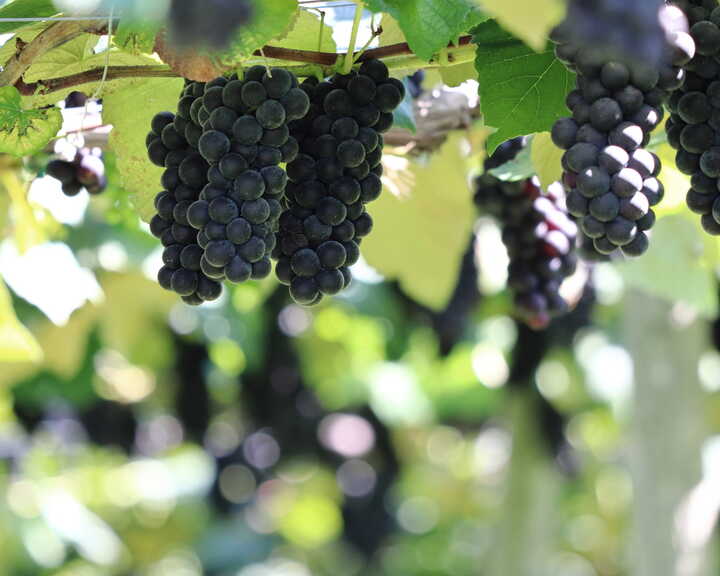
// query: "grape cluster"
[[245, 138], [539, 236], [620, 29], [610, 176], [86, 170], [335, 176], [693, 128], [212, 23], [172, 144]]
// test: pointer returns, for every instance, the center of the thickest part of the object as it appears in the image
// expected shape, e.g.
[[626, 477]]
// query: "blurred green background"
[[368, 436]]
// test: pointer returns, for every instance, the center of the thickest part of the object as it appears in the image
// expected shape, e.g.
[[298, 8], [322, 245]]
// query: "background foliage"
[[254, 437]]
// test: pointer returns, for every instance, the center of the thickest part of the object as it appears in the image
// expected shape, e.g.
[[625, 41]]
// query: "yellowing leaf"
[[423, 223], [529, 20], [130, 109], [28, 230], [456, 75], [546, 159], [24, 131], [17, 344], [391, 33]]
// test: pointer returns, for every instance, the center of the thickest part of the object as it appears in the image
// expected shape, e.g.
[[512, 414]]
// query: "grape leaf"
[[423, 223], [676, 267], [130, 108], [271, 21], [429, 25], [17, 344], [24, 132], [27, 34], [25, 9], [136, 36], [521, 91], [546, 159], [456, 75], [391, 33], [77, 56], [529, 20], [305, 34]]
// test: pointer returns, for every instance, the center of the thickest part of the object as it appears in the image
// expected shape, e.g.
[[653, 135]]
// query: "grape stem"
[[348, 64]]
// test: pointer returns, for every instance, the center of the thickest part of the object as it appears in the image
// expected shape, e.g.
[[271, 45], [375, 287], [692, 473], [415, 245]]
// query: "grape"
[[605, 114], [638, 246], [214, 145], [271, 115], [564, 133], [694, 108]]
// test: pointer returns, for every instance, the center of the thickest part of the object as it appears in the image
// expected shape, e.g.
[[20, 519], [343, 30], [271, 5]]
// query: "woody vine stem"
[[301, 62]]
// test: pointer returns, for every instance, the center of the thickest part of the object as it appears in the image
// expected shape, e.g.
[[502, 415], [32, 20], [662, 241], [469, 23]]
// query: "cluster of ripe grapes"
[[227, 207], [86, 170], [538, 234], [609, 175], [335, 176], [693, 128]]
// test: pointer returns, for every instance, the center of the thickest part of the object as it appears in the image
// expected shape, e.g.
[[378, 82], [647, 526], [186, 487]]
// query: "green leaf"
[[17, 344], [428, 25], [676, 267], [27, 34], [404, 115], [519, 168], [456, 75], [306, 34], [521, 91], [137, 36], [271, 21], [529, 20], [77, 56], [24, 132], [129, 109], [423, 223], [25, 9], [546, 159]]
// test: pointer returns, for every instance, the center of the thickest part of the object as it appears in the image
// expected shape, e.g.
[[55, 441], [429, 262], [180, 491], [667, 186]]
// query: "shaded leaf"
[[422, 223]]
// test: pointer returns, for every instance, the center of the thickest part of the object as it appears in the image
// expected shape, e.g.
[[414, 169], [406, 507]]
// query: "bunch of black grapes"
[[693, 128], [335, 176], [610, 176], [172, 144], [207, 23], [86, 170], [245, 138], [538, 234], [619, 29]]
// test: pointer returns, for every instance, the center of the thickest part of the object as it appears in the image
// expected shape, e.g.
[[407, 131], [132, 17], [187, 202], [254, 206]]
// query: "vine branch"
[[61, 32], [94, 75]]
